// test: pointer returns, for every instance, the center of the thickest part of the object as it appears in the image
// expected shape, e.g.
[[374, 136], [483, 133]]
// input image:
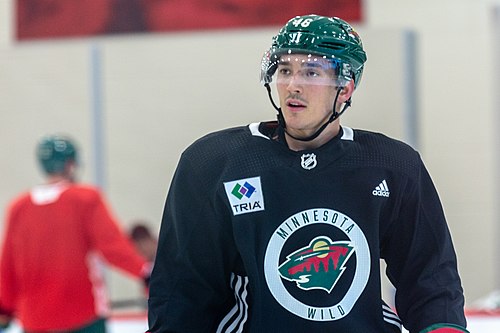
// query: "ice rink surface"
[[137, 323]]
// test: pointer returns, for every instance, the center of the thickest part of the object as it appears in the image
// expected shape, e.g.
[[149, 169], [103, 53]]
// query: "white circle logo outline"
[[361, 275]]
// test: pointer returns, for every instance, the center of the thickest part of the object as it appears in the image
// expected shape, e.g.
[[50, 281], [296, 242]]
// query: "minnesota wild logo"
[[317, 266]]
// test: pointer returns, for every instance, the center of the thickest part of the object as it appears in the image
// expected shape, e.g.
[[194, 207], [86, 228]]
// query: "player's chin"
[[298, 131]]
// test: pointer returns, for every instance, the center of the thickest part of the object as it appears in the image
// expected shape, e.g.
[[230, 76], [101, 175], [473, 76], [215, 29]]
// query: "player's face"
[[306, 89]]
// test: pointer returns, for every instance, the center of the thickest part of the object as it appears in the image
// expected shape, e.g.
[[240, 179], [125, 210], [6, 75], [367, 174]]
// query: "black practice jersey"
[[258, 238]]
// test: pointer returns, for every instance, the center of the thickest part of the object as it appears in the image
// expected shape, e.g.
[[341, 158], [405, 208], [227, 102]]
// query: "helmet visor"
[[309, 69]]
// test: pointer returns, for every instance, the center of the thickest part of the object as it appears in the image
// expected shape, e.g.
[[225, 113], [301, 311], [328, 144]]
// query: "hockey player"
[[56, 235], [280, 226]]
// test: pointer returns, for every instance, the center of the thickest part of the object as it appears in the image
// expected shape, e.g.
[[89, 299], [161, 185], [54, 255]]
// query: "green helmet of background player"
[[54, 152], [329, 37]]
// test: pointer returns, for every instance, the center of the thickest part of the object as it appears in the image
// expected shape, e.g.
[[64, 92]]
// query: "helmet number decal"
[[304, 23], [346, 70]]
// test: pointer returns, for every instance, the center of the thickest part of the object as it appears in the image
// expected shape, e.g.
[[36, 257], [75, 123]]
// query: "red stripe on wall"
[[79, 18]]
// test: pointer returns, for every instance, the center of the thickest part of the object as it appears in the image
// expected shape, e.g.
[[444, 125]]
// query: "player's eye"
[[312, 74], [284, 71]]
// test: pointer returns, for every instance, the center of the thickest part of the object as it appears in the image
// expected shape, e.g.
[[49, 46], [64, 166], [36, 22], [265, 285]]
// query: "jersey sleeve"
[[421, 260], [189, 287], [110, 241], [444, 328]]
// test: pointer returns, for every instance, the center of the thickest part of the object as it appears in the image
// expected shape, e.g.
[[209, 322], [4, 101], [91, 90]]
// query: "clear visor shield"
[[304, 69]]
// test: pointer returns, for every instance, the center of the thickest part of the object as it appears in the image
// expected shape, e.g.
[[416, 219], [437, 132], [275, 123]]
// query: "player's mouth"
[[295, 104]]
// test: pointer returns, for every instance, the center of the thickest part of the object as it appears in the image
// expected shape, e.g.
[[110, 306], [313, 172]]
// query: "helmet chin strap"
[[335, 115]]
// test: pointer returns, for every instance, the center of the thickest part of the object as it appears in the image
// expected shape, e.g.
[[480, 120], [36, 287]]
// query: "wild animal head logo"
[[317, 266]]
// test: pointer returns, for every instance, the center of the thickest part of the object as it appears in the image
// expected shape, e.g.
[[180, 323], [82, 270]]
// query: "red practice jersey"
[[56, 239]]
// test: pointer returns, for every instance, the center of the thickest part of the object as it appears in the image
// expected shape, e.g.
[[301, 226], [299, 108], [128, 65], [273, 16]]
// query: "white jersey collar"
[[348, 133]]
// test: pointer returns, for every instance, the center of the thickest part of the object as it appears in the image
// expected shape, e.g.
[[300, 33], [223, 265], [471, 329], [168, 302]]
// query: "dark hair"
[[140, 231]]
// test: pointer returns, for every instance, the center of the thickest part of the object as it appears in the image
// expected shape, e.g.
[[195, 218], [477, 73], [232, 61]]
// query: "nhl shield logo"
[[308, 161]]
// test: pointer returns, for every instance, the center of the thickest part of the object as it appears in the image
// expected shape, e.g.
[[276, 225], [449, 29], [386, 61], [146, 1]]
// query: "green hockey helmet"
[[54, 151], [330, 38]]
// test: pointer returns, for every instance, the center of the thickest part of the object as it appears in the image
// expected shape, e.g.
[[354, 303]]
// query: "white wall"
[[458, 126], [153, 107]]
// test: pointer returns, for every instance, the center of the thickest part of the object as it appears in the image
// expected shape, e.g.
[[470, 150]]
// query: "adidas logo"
[[382, 190]]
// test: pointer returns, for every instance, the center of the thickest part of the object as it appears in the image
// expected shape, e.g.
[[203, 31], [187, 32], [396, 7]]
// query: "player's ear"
[[347, 91]]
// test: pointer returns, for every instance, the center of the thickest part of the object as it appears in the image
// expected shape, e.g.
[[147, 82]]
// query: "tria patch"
[[245, 195]]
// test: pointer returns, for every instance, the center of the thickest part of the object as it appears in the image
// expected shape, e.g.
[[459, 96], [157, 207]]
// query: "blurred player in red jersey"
[[57, 237]]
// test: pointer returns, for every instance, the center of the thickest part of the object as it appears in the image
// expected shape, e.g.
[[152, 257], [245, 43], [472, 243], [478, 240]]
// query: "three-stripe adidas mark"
[[382, 190]]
